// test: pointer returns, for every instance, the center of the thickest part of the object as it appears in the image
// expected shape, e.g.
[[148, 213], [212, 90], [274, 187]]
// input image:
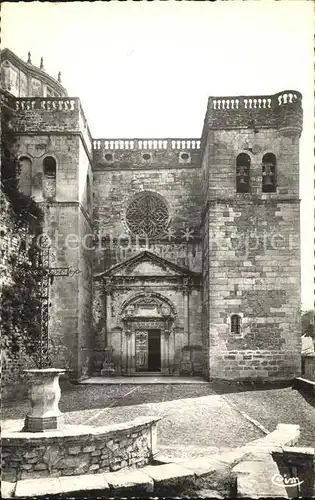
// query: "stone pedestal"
[[44, 395], [108, 367], [186, 367]]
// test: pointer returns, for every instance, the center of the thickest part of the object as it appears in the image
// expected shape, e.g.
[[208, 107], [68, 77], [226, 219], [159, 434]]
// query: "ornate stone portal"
[[148, 324], [147, 318]]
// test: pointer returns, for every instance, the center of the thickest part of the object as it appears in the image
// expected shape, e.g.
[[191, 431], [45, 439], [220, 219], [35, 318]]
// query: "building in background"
[[189, 248]]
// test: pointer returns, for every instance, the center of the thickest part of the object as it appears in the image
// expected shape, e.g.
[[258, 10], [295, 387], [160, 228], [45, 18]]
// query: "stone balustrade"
[[47, 104], [254, 102], [41, 111], [282, 111], [146, 144], [223, 112]]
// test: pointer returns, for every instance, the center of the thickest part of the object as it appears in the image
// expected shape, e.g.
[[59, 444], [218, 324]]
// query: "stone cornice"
[[102, 168], [114, 281]]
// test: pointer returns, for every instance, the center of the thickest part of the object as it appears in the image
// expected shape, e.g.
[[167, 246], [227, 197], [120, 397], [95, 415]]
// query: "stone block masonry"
[[247, 472], [253, 274], [67, 220], [243, 245], [77, 450], [251, 257], [60, 116]]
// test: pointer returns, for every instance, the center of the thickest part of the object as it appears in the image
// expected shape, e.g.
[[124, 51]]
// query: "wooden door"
[[154, 350]]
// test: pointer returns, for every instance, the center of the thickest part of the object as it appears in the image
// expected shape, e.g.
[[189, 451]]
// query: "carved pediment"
[[147, 264], [147, 304], [146, 268]]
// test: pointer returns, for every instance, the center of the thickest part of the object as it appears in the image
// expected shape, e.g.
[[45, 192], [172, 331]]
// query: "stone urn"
[[44, 395]]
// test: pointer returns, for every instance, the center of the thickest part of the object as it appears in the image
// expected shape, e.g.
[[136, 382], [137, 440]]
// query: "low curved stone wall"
[[76, 450], [251, 471]]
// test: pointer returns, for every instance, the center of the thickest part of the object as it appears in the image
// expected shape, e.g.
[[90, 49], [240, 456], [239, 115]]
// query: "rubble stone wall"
[[78, 451]]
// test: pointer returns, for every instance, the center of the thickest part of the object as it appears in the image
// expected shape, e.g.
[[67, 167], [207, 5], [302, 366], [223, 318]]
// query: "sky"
[[146, 69]]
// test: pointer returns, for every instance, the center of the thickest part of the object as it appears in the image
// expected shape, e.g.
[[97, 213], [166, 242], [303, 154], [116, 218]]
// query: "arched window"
[[236, 324], [25, 176], [88, 193], [242, 173], [269, 181], [49, 178]]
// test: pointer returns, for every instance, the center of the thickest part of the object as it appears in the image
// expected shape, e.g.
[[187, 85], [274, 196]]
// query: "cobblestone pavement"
[[85, 397], [286, 406], [194, 417]]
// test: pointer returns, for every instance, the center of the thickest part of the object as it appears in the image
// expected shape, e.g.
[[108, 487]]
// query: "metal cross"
[[46, 281]]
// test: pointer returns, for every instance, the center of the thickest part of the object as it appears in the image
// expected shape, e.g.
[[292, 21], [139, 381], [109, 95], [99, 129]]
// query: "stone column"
[[108, 291], [164, 363], [108, 367], [108, 318], [132, 352], [128, 351], [186, 314], [186, 364], [171, 350], [186, 293], [167, 367], [177, 346]]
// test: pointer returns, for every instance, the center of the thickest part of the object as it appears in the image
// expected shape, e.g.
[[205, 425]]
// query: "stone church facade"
[[188, 249]]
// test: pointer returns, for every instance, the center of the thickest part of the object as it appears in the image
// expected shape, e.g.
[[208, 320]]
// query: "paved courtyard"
[[196, 419]]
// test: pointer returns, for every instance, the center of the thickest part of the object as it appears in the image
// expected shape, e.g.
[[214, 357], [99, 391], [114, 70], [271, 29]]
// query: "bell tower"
[[55, 151], [251, 236]]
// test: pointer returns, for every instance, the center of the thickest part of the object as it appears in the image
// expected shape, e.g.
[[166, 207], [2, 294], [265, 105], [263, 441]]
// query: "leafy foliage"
[[22, 216], [25, 211], [307, 322]]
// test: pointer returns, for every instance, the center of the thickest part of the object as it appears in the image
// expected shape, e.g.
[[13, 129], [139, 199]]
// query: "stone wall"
[[85, 287], [62, 220], [205, 272], [253, 244], [256, 275], [212, 229], [179, 186], [308, 366], [78, 450], [58, 128], [116, 181], [182, 252], [281, 111], [256, 470], [58, 116]]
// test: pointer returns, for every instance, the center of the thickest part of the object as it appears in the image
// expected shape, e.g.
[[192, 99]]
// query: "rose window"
[[147, 215]]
